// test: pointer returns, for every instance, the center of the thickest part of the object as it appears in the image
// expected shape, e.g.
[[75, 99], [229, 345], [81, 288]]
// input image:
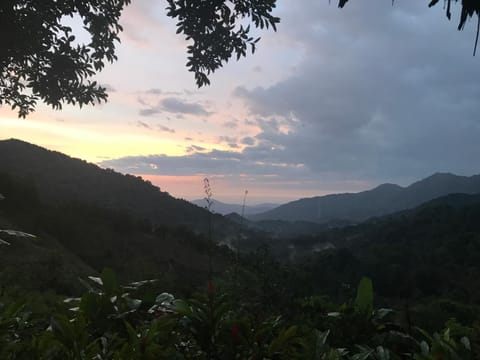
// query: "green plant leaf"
[[425, 349], [109, 279], [364, 299], [466, 342]]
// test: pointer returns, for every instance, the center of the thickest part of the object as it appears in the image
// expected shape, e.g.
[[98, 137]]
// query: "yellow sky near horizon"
[[93, 145], [94, 141]]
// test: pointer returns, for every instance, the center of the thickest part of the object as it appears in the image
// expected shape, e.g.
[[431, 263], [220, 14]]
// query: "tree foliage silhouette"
[[42, 61], [469, 9]]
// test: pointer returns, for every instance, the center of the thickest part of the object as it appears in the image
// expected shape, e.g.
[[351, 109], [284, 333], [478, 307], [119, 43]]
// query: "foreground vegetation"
[[110, 321]]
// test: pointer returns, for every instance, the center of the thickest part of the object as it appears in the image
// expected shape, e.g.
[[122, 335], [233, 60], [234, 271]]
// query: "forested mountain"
[[77, 238], [59, 179], [421, 255], [86, 218], [382, 200]]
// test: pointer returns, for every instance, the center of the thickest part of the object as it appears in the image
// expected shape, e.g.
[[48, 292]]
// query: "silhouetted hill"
[[384, 199], [75, 238], [225, 208], [427, 254], [454, 200], [61, 179]]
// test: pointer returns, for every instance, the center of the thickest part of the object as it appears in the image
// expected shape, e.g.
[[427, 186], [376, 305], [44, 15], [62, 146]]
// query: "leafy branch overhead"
[[217, 30], [40, 59], [469, 9]]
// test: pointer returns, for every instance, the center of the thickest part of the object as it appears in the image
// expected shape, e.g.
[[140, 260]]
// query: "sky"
[[337, 100]]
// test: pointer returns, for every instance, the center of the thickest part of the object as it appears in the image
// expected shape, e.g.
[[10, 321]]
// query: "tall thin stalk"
[[209, 199], [237, 245]]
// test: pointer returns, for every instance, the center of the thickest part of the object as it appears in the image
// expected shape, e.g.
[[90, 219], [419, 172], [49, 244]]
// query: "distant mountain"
[[453, 200], [382, 200], [59, 179], [225, 208], [431, 251]]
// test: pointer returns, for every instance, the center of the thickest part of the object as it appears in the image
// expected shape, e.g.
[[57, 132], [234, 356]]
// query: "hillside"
[[61, 179], [430, 251], [87, 218], [76, 239], [382, 200], [41, 263]]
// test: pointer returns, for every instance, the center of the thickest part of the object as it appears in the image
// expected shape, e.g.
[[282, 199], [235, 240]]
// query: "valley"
[[421, 251]]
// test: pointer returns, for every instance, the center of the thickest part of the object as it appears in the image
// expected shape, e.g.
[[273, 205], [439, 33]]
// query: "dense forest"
[[103, 282]]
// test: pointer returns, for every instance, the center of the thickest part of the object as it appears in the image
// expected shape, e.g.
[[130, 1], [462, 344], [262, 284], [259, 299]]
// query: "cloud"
[[143, 125], [231, 141], [165, 129], [176, 105], [154, 91], [249, 122], [150, 111], [195, 148], [202, 161], [173, 105], [231, 124], [248, 140], [158, 127], [227, 139]]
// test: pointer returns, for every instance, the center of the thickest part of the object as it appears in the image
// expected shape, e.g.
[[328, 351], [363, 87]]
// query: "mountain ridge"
[[381, 200], [60, 178]]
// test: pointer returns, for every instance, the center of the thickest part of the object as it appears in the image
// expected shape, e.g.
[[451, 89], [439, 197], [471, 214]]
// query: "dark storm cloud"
[[381, 93]]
